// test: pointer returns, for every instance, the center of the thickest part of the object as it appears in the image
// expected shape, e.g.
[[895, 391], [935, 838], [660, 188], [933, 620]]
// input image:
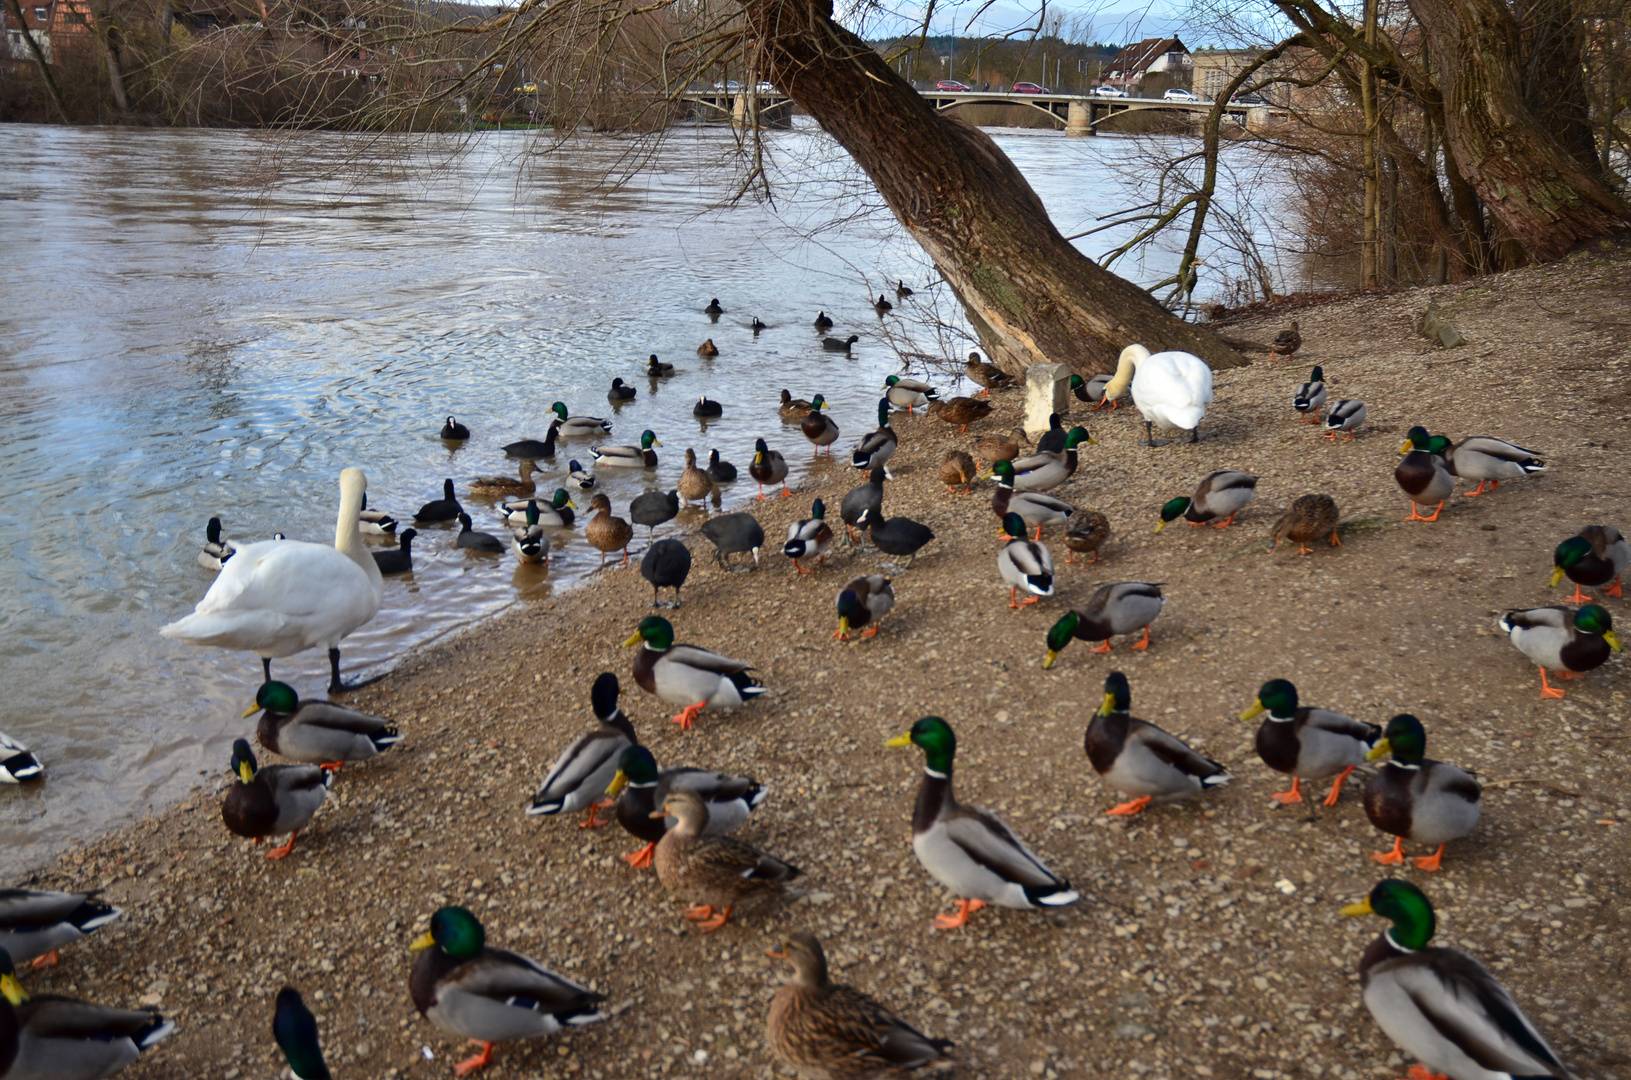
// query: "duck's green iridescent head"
[[456, 932], [1592, 619], [1077, 382], [648, 439], [1060, 634], [559, 409], [1077, 436], [1317, 375], [656, 631], [1404, 738], [1118, 694], [817, 403], [634, 766], [1406, 906], [759, 451], [892, 380], [849, 608], [243, 761], [1013, 526], [1004, 472], [883, 412], [274, 697], [934, 736], [1567, 556], [1278, 697], [1171, 509], [1416, 439], [560, 499], [1438, 444], [295, 1030], [818, 510]]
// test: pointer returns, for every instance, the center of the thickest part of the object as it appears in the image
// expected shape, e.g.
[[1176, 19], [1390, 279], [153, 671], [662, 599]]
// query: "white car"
[[765, 88], [1108, 91], [1178, 94]]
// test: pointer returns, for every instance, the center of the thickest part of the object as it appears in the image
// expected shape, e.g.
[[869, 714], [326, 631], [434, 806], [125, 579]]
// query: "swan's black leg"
[[266, 668]]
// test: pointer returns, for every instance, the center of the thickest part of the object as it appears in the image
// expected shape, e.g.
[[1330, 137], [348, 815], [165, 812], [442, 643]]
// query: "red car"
[[952, 86], [1030, 88]]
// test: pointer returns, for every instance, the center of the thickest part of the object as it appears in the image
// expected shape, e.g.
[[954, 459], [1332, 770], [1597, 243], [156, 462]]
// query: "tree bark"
[[1029, 292], [1545, 199], [39, 58]]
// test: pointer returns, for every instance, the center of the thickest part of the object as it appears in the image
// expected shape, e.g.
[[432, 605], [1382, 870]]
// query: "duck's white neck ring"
[[1389, 935], [933, 773]]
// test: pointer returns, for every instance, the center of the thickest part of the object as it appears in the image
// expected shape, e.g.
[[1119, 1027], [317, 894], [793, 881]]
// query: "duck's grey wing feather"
[[705, 659], [1172, 750], [988, 840]]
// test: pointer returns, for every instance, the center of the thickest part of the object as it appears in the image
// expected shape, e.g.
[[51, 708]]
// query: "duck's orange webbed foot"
[[470, 1065], [1142, 643], [332, 766], [687, 717], [1422, 1072], [708, 926], [590, 821], [50, 959], [872, 632], [1336, 787], [1547, 690], [1226, 522], [1101, 647], [283, 852], [1391, 858], [965, 908], [1579, 596], [640, 860], [1429, 862], [698, 912], [1128, 809], [1295, 795]]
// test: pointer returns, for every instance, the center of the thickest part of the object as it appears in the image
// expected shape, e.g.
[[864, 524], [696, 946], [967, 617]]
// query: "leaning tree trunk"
[[1546, 199], [1030, 293]]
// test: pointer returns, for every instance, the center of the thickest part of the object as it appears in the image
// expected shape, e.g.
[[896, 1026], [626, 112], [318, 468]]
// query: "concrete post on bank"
[[1047, 391], [1079, 119]]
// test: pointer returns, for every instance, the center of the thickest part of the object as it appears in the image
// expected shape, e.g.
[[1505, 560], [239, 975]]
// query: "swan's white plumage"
[[1171, 389], [276, 598]]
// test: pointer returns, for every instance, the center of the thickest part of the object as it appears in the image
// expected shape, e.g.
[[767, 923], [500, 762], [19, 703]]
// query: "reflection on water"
[[196, 326]]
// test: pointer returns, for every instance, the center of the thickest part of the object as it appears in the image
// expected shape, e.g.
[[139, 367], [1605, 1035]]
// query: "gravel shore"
[[1207, 942]]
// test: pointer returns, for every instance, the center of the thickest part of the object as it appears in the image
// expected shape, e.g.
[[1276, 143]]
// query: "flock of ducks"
[[278, 597]]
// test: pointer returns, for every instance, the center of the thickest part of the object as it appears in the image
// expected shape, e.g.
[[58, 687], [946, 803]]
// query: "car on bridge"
[[1178, 94], [730, 86], [1030, 88], [765, 88], [1109, 91], [952, 86]]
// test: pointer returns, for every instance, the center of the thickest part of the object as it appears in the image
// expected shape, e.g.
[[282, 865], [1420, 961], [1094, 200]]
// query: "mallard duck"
[[294, 1028], [1424, 474], [876, 447], [1309, 518], [1569, 642], [452, 429], [580, 425], [818, 427], [695, 484], [532, 448], [658, 369], [720, 471], [1171, 389], [554, 514], [901, 291], [961, 411], [864, 601], [688, 674], [809, 538], [471, 540], [528, 540], [895, 536], [1092, 390], [318, 732], [1489, 460], [957, 467], [882, 304], [1137, 758], [1085, 535], [1441, 1006], [908, 394], [734, 534], [995, 448], [1309, 396], [1222, 494], [17, 762], [580, 776], [215, 550], [640, 789], [825, 1030], [971, 851], [58, 1038], [707, 409], [1597, 555], [708, 349], [769, 467], [793, 408], [1052, 440], [1307, 743], [274, 800], [507, 485], [842, 345], [397, 560], [446, 508], [374, 522], [1034, 507], [490, 995], [1416, 798], [1117, 607], [665, 565], [619, 393], [1044, 471], [35, 923], [1344, 415], [1023, 563], [859, 499], [652, 508], [1285, 342], [605, 531], [713, 308], [822, 322], [583, 478], [629, 457], [280, 597], [987, 375], [709, 870]]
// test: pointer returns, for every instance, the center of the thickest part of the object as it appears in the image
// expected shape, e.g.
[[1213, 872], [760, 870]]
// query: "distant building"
[[43, 19], [1147, 57]]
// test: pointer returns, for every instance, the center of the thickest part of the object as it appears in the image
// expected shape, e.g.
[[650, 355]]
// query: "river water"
[[216, 323]]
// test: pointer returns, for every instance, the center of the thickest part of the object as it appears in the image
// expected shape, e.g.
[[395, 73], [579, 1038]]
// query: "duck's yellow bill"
[[1406, 448], [843, 626], [1160, 525], [1380, 750], [899, 741], [251, 711], [619, 782], [245, 772], [1557, 576], [1613, 639], [572, 504], [1109, 705], [656, 442], [1253, 712], [634, 639], [1361, 908], [1092, 441], [1047, 661], [12, 989], [422, 942]]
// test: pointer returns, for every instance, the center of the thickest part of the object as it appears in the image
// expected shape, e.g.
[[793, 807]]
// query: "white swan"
[[279, 597], [1171, 389]]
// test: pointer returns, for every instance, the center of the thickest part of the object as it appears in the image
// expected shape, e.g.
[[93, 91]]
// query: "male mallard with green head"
[[1307, 743], [57, 1038], [318, 732], [809, 538], [581, 774], [1595, 556], [1222, 494], [1571, 643], [630, 457], [294, 1028], [688, 674], [1489, 460], [818, 427], [1423, 474], [1034, 508], [876, 447], [1024, 564], [1137, 758], [1116, 607], [864, 601], [274, 800], [35, 923], [1416, 798], [639, 789]]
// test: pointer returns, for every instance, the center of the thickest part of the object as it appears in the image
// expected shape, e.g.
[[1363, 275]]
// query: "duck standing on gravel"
[[1307, 743], [318, 732], [957, 467], [990, 376], [908, 394], [712, 871], [818, 427], [864, 601], [1170, 389], [1570, 642], [860, 499], [1137, 758], [1092, 390], [1416, 798], [1423, 474], [876, 447], [35, 923], [581, 774], [688, 675], [809, 538], [274, 800], [640, 789], [971, 851], [1344, 416], [1024, 563], [960, 411], [1116, 607], [768, 467], [1309, 518], [1489, 460], [1595, 556], [1286, 342], [1309, 397], [605, 531], [57, 1038], [1222, 494], [695, 483], [1085, 535]]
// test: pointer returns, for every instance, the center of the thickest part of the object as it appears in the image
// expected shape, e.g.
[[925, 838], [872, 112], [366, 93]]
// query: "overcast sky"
[[1114, 21]]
